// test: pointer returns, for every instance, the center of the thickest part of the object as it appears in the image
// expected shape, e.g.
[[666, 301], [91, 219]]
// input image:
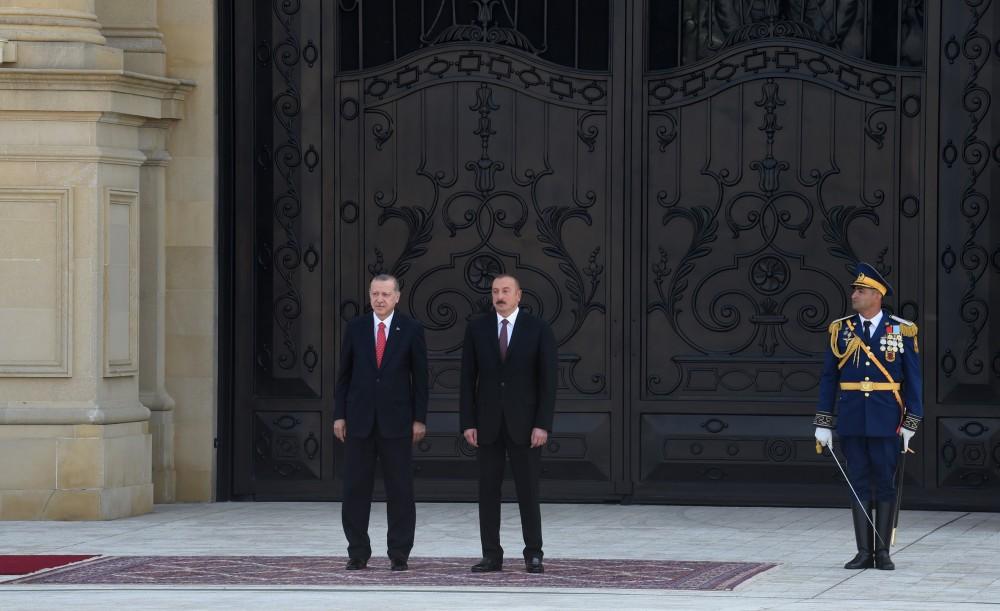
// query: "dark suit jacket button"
[[378, 379], [501, 383]]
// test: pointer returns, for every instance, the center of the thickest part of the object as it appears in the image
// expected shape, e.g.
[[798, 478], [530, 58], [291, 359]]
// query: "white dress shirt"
[[875, 320], [510, 324], [387, 321]]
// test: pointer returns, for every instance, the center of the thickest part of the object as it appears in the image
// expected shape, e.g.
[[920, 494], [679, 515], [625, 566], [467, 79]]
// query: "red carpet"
[[22, 565]]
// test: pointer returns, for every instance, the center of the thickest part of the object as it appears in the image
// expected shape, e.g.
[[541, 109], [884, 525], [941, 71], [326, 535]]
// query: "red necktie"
[[503, 339], [380, 344]]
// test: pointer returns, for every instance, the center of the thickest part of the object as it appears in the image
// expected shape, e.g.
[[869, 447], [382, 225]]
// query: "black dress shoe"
[[487, 565], [356, 564], [863, 560], [534, 565], [399, 565], [883, 562]]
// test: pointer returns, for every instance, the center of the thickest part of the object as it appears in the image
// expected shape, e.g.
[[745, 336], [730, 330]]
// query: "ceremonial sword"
[[900, 469], [819, 450]]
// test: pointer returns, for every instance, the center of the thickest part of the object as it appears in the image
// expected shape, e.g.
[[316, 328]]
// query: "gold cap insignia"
[[863, 280]]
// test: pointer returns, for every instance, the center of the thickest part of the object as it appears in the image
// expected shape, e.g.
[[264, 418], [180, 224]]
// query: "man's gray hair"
[[385, 278]]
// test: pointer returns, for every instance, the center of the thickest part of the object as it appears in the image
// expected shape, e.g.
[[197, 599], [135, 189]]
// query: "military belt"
[[869, 386]]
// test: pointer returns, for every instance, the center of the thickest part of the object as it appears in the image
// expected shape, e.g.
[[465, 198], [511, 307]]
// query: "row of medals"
[[890, 344]]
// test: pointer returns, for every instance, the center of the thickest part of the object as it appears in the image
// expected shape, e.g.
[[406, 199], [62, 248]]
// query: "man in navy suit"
[[871, 383], [506, 405], [379, 412]]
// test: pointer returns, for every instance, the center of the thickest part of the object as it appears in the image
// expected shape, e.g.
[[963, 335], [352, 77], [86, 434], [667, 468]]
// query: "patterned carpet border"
[[424, 572]]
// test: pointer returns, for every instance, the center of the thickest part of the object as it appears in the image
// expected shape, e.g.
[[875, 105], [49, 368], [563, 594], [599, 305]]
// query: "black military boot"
[[863, 536], [883, 521]]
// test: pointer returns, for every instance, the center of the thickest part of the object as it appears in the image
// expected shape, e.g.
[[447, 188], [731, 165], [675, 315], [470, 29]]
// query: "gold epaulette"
[[834, 327], [907, 328]]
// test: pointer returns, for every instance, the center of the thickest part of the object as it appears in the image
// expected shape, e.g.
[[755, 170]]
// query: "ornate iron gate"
[[464, 155], [781, 144], [681, 185]]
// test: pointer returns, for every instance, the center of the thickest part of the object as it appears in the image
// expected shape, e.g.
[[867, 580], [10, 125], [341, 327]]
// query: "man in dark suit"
[[379, 412], [508, 394]]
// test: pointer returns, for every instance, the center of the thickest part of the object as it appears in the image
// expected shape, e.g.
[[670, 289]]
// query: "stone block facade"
[[107, 260]]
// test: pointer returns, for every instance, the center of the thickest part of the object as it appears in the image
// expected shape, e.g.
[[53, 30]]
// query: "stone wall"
[[106, 256], [188, 28]]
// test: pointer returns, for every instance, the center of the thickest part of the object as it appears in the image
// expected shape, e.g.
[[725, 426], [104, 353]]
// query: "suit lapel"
[[491, 335], [517, 332], [877, 330], [859, 327], [368, 338], [494, 335]]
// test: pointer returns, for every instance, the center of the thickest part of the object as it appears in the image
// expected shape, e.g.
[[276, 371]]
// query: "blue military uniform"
[[870, 389]]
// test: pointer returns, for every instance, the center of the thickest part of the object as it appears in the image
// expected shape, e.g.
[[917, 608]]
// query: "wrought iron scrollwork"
[[969, 452], [588, 135], [666, 135], [428, 68], [793, 59], [287, 158], [383, 130], [710, 311], [286, 446], [483, 29], [877, 130], [845, 25], [500, 197], [310, 53], [579, 41], [967, 256]]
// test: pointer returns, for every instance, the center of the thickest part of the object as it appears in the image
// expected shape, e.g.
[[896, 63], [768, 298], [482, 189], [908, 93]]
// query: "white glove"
[[907, 436], [825, 437]]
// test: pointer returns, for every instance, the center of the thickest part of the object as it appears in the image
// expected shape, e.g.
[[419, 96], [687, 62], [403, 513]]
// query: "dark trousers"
[[525, 462], [396, 457], [871, 462]]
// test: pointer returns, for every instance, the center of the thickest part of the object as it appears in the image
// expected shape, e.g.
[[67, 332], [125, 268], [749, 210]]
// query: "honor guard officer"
[[871, 392]]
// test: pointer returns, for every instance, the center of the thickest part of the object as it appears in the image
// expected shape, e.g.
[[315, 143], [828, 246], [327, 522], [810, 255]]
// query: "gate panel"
[[682, 186], [282, 383], [775, 157], [963, 453], [465, 160]]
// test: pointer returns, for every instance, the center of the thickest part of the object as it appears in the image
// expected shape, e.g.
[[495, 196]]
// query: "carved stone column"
[[131, 25], [56, 34], [81, 154]]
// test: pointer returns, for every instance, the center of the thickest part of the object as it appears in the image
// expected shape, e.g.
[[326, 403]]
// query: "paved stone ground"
[[944, 560]]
